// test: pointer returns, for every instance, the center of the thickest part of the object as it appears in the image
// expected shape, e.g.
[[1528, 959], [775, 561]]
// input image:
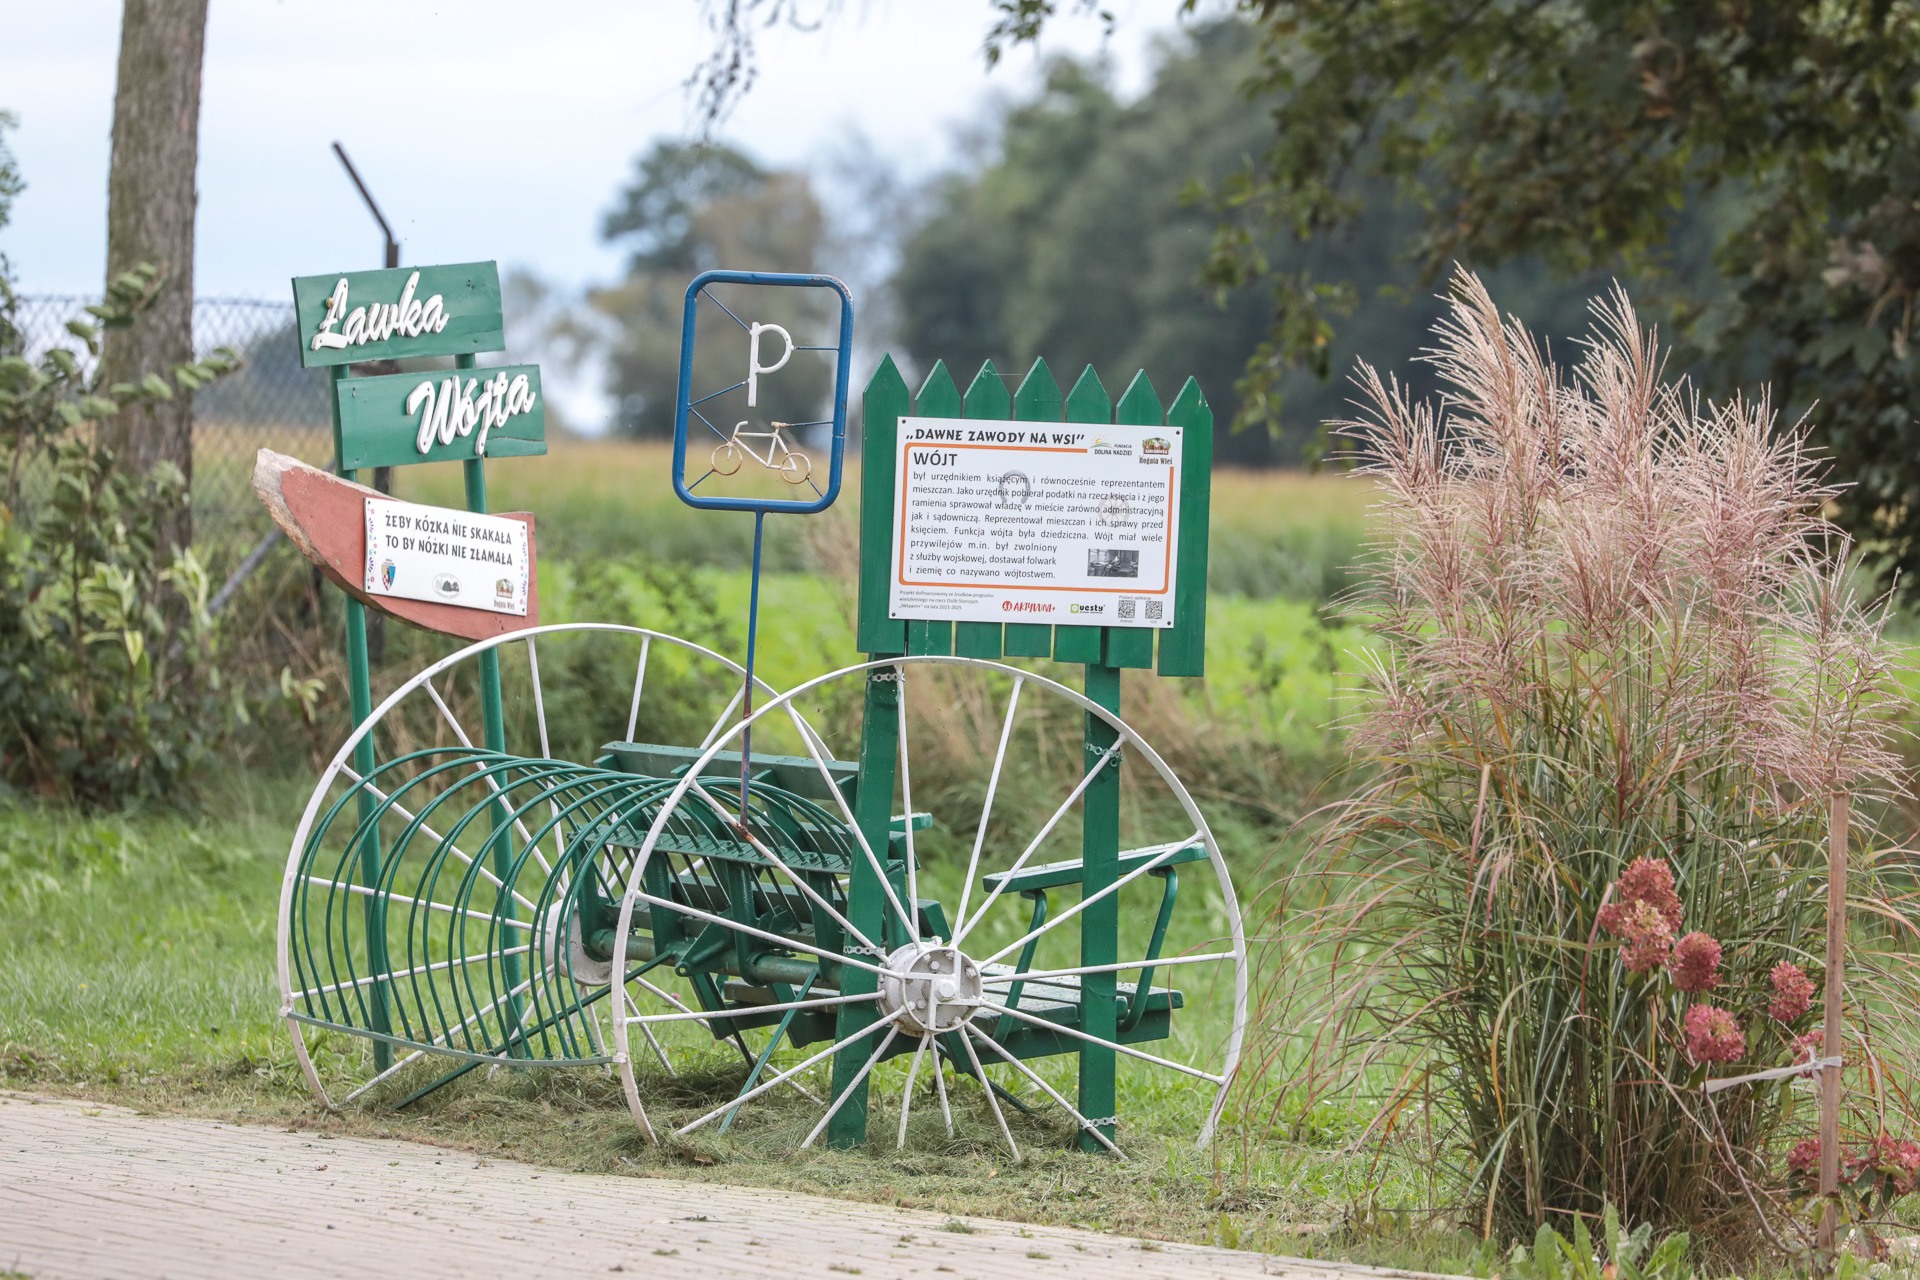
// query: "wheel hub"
[[933, 988]]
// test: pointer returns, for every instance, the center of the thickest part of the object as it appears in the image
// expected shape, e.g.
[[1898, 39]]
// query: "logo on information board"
[[1016, 490], [503, 591], [1156, 446], [387, 571], [447, 585]]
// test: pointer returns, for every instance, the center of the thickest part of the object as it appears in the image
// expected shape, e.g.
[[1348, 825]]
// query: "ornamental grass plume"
[[1619, 669]]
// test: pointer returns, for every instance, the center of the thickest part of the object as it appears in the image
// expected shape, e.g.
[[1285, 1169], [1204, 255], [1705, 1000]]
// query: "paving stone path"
[[95, 1193]]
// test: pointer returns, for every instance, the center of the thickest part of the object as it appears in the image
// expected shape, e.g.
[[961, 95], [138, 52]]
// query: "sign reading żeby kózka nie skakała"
[[443, 556], [432, 415]]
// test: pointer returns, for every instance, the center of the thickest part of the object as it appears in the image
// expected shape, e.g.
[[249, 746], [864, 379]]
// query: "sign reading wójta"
[[1036, 522], [449, 415]]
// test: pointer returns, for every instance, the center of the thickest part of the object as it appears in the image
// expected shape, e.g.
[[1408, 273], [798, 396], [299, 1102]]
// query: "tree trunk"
[[150, 206]]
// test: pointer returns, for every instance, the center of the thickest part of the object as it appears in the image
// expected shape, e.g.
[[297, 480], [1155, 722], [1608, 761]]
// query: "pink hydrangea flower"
[[1647, 942], [1792, 991], [1696, 963], [1713, 1035], [1810, 1046], [1896, 1161], [1648, 882]]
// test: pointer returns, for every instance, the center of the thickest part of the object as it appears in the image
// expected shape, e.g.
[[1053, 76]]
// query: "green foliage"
[[1595, 135], [1619, 1255], [10, 182], [691, 208], [1070, 239], [109, 688]]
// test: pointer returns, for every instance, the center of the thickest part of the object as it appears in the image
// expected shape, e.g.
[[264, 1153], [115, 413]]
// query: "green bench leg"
[[1100, 923]]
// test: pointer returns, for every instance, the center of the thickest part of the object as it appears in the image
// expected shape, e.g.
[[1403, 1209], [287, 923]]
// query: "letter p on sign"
[[754, 367]]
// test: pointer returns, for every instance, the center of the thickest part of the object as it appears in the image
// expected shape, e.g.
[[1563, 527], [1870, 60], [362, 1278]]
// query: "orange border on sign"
[[900, 542]]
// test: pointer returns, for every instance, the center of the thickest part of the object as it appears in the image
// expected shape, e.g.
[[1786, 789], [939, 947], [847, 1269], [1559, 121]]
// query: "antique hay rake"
[[580, 844]]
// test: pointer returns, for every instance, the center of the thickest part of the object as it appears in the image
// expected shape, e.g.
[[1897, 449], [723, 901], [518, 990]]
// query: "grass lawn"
[[139, 948], [139, 955]]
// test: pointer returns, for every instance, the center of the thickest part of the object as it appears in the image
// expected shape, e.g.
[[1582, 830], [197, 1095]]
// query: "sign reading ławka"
[[433, 415]]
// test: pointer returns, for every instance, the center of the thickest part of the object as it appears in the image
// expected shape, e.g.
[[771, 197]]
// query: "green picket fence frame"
[[1182, 649], [1104, 651]]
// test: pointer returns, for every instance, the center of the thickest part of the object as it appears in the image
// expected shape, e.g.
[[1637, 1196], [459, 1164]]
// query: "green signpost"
[[396, 314]]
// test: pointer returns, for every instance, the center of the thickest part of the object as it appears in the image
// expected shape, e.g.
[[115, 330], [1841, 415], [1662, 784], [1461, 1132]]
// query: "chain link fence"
[[271, 402]]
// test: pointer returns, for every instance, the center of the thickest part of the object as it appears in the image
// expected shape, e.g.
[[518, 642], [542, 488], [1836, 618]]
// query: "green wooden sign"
[[354, 316], [447, 415]]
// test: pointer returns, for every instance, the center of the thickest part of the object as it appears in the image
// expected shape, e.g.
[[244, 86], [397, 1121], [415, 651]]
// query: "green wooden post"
[[866, 899], [493, 732], [1100, 923], [886, 401], [360, 697]]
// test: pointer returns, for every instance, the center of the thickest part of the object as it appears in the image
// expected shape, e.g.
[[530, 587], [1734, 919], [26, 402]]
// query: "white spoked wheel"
[[447, 906], [968, 996]]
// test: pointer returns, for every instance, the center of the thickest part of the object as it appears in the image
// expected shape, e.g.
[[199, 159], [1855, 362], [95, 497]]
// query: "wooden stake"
[[1830, 1075]]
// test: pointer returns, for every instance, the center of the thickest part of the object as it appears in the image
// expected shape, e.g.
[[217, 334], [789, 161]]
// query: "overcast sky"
[[486, 128]]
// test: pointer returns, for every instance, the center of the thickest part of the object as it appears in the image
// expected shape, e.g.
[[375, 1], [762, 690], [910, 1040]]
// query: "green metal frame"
[[1104, 651]]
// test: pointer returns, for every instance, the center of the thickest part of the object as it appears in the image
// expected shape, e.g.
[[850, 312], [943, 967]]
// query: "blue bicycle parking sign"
[[721, 429]]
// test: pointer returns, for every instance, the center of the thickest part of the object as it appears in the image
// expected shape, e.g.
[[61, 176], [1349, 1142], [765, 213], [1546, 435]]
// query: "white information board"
[[452, 557], [1035, 522]]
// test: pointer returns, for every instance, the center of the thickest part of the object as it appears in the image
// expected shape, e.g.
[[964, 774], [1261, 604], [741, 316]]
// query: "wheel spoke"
[[790, 944], [1115, 1045], [764, 1086], [1044, 975], [639, 683], [1086, 1125], [906, 1094], [701, 1015], [852, 1086], [1166, 852], [493, 784], [814, 749], [540, 717], [986, 1087], [726, 718], [365, 892], [986, 808], [437, 838], [1006, 877], [940, 1085], [336, 987]]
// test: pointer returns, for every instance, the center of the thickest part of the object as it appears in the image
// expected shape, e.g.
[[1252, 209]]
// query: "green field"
[[139, 948]]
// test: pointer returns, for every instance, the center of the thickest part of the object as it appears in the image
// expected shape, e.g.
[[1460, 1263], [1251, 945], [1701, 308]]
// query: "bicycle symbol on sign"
[[775, 455]]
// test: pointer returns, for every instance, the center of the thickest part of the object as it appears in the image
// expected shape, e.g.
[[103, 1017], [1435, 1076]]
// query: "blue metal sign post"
[[751, 440]]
